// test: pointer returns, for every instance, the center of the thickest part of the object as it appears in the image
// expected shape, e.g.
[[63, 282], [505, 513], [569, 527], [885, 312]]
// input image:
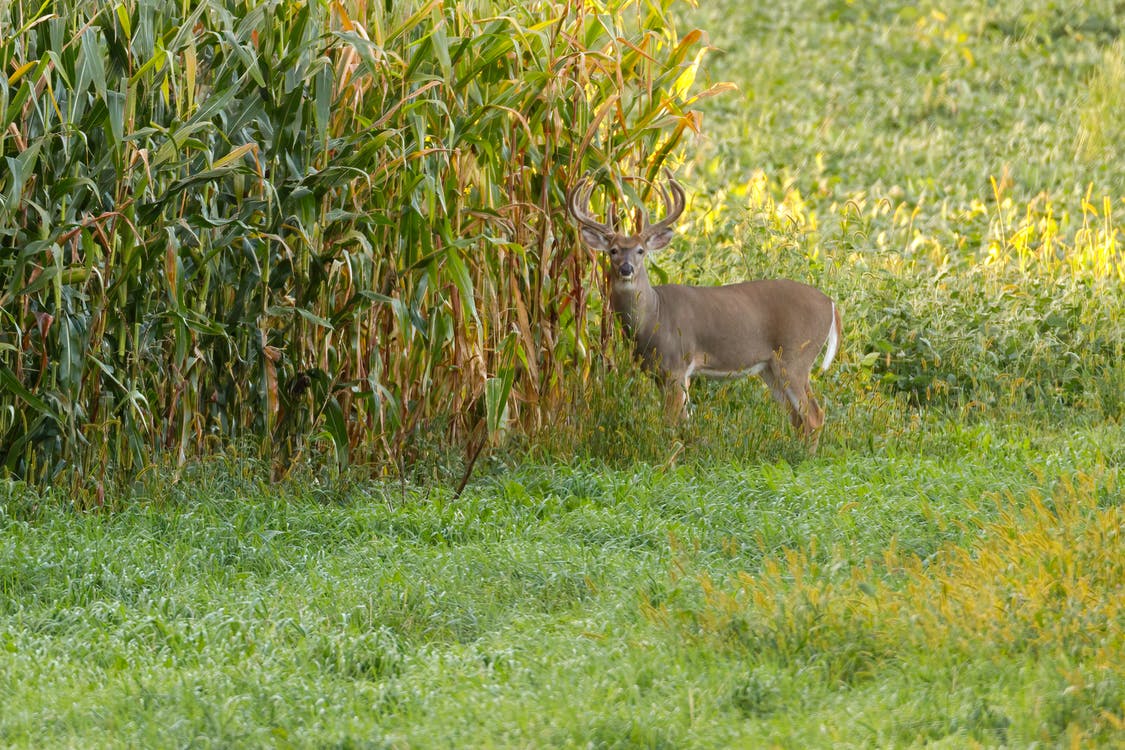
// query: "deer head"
[[626, 251]]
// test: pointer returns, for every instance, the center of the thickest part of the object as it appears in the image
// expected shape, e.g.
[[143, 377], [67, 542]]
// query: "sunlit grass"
[[1102, 110]]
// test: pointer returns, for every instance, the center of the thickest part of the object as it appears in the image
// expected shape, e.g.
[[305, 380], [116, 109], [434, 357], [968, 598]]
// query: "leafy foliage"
[[315, 224]]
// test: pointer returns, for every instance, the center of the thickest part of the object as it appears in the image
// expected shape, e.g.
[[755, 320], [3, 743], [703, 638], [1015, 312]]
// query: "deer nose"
[[625, 270]]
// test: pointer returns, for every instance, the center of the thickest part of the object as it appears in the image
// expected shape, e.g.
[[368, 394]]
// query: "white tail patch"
[[833, 342]]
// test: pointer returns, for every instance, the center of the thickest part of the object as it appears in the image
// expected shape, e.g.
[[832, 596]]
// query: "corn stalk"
[[324, 226]]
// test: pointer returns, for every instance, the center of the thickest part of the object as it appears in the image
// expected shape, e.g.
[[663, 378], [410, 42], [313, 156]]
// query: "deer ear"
[[594, 238], [660, 239]]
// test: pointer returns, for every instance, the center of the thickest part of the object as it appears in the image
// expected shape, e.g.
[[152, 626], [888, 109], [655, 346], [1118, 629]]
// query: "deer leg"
[[808, 416], [676, 398], [815, 416], [794, 391], [782, 396], [814, 420]]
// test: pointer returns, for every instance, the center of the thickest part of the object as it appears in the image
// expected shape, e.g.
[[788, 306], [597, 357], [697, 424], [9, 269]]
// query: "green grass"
[[945, 571], [920, 101], [550, 605]]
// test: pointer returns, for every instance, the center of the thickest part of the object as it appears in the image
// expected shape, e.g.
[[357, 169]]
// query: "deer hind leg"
[[782, 396], [814, 420], [792, 390], [814, 416], [676, 398]]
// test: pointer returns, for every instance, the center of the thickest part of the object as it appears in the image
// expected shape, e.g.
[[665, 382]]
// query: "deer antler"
[[674, 206], [577, 201]]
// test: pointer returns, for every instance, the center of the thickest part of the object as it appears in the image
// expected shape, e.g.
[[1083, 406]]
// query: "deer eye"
[[613, 251]]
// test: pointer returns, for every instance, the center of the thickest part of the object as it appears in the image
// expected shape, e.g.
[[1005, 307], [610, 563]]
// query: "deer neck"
[[636, 304]]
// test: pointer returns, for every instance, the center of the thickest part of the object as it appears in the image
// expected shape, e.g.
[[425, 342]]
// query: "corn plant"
[[325, 226]]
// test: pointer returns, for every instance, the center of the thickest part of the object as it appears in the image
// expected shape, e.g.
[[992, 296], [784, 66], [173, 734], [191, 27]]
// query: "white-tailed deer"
[[771, 328]]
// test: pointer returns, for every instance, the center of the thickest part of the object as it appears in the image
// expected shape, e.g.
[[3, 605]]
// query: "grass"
[[945, 571], [710, 604]]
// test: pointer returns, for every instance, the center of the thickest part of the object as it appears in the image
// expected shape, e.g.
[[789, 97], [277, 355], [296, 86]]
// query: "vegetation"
[[956, 584], [944, 171], [947, 570], [305, 224]]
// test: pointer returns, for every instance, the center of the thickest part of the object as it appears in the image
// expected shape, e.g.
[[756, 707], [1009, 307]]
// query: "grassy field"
[[958, 584], [948, 570]]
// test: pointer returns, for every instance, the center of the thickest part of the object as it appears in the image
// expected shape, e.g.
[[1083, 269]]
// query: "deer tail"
[[835, 332]]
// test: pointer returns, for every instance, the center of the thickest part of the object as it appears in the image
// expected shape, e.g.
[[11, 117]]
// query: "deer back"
[[733, 329]]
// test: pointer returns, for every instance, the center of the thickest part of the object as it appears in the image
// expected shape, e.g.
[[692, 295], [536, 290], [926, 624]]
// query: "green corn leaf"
[[498, 389], [10, 382], [313, 318], [336, 426]]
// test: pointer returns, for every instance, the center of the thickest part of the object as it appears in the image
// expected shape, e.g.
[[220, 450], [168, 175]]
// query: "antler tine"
[[663, 197], [642, 214], [583, 191], [572, 193], [674, 205]]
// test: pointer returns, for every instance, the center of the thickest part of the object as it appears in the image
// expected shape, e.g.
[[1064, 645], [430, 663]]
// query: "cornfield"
[[324, 227]]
